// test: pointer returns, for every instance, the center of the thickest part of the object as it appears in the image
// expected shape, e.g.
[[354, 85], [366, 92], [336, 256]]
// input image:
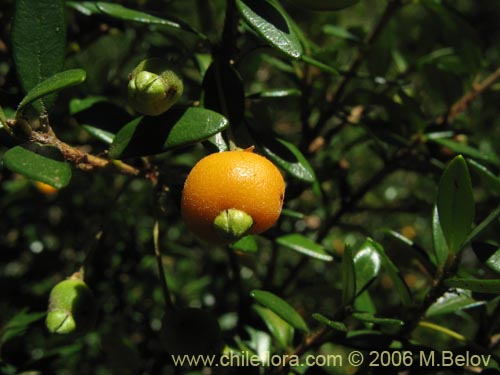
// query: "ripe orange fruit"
[[227, 185]]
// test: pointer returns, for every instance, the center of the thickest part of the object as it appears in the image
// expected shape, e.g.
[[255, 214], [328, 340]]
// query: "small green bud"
[[71, 307], [153, 88], [191, 331], [232, 224]]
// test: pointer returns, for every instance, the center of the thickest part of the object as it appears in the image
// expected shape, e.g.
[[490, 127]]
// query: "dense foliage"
[[383, 118]]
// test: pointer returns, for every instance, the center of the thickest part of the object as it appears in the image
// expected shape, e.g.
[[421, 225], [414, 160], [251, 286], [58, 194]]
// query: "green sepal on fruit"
[[324, 5], [72, 307], [153, 88], [232, 224], [191, 331]]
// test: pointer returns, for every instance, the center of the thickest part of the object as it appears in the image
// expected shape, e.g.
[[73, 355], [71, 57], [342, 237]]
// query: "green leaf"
[[281, 330], [438, 240], [304, 246], [176, 127], [488, 253], [87, 8], [491, 181], [223, 91], [367, 265], [3, 118], [38, 41], [348, 277], [247, 244], [483, 225], [100, 134], [340, 32], [393, 273], [287, 156], [52, 84], [461, 148], [451, 302], [271, 22], [38, 163], [338, 326], [19, 323], [370, 318], [127, 14], [318, 64], [275, 94], [325, 5], [281, 308], [455, 203], [475, 285]]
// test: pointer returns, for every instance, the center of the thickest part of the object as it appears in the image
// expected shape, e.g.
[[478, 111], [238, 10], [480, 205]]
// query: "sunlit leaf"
[[304, 246], [271, 22], [281, 330]]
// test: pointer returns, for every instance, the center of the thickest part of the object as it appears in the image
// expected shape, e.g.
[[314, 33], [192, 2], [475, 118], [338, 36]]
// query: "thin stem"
[[161, 270], [81, 159], [462, 104], [390, 10]]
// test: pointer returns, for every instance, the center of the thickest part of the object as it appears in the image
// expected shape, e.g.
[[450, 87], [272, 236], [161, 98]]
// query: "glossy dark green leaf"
[[19, 323], [451, 302], [281, 330], [223, 91], [281, 308], [79, 105], [304, 246], [370, 318], [493, 262], [177, 127], [438, 240], [490, 180], [393, 272], [367, 265], [348, 277], [52, 84], [455, 203], [38, 41], [3, 117], [475, 285], [287, 156], [247, 244], [270, 21], [338, 326], [38, 163], [127, 14], [463, 149], [488, 253]]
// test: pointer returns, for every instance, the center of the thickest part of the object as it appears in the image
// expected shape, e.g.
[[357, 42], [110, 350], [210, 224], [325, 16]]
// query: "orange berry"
[[222, 184]]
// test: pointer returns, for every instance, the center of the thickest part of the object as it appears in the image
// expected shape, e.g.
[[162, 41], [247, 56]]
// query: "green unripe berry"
[[153, 88], [72, 307], [191, 331]]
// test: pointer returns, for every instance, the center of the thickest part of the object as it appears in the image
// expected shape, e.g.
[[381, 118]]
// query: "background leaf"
[[475, 285], [36, 162], [38, 41], [455, 203], [281, 308]]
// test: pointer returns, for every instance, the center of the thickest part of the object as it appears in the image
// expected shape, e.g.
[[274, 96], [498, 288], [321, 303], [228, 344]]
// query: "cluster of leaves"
[[381, 115]]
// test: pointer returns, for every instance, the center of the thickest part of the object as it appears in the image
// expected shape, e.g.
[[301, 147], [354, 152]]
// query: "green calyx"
[[232, 224], [72, 308], [153, 88]]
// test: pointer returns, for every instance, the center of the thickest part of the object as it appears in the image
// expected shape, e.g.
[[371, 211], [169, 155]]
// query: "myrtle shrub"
[[382, 116]]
